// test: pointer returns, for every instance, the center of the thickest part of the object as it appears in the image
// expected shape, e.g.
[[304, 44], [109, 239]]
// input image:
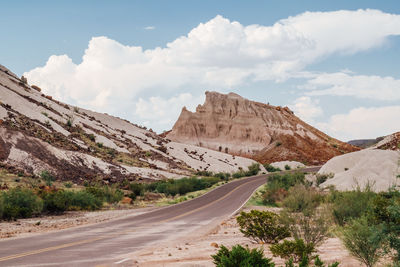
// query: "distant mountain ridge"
[[266, 133]]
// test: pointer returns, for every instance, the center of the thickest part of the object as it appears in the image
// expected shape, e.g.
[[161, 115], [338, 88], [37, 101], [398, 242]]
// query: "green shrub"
[[47, 177], [278, 185], [273, 193], [302, 199], [386, 212], [295, 249], [287, 167], [100, 145], [239, 174], [271, 168], [364, 241], [241, 257], [60, 201], [287, 180], [305, 262], [351, 204], [82, 200], [321, 178], [137, 190], [253, 169], [262, 226], [106, 193], [21, 203], [312, 227], [204, 173], [1, 205], [91, 137], [68, 184], [223, 175]]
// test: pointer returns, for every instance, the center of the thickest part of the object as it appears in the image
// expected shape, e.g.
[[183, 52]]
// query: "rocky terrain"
[[39, 133], [232, 124], [389, 142]]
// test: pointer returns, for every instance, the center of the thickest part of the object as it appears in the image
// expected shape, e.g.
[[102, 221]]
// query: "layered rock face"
[[235, 125]]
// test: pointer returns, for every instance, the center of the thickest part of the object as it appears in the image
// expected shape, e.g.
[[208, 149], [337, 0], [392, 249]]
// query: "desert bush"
[[364, 241], [60, 201], [287, 180], [302, 199], [1, 205], [241, 257], [305, 262], [20, 203], [287, 167], [91, 137], [137, 190], [99, 145], [321, 178], [295, 249], [47, 177], [262, 226], [386, 212], [273, 193], [204, 173], [350, 204], [238, 174], [253, 169], [108, 194], [271, 168], [278, 185], [223, 175], [312, 227], [182, 186]]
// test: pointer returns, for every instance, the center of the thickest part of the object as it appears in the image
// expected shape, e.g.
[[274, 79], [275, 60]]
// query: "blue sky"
[[33, 31]]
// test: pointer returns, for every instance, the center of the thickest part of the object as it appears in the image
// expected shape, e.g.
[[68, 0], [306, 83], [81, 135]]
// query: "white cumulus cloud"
[[363, 123], [219, 54], [360, 86], [165, 111], [306, 108]]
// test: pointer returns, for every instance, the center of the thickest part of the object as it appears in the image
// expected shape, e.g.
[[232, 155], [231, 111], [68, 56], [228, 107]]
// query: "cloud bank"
[[219, 54]]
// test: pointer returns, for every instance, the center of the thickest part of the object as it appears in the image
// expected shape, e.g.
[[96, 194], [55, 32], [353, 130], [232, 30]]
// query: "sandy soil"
[[195, 250], [23, 227]]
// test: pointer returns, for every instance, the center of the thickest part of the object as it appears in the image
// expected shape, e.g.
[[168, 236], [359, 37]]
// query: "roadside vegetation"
[[34, 197], [368, 223]]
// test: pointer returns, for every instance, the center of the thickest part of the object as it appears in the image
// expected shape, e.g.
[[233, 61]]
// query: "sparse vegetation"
[[322, 178], [271, 168], [262, 226], [292, 249], [287, 167], [20, 203], [241, 257]]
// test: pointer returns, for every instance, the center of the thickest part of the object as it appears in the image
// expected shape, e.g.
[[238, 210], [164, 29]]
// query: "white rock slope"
[[379, 167]]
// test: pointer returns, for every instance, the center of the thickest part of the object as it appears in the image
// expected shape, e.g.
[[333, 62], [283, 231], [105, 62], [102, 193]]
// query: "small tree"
[[241, 257], [292, 249], [312, 227], [262, 226], [364, 241]]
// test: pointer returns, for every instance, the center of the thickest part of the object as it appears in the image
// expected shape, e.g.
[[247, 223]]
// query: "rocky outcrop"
[[235, 125], [389, 142]]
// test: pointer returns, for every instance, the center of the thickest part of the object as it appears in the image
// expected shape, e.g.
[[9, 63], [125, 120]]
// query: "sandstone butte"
[[235, 125]]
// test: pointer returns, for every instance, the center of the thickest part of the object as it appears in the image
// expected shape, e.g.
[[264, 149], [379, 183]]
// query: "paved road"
[[107, 243]]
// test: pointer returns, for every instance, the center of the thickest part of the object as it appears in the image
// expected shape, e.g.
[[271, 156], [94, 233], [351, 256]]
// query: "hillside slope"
[[40, 133], [266, 133]]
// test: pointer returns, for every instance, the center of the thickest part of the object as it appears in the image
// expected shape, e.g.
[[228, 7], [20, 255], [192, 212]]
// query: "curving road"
[[106, 244]]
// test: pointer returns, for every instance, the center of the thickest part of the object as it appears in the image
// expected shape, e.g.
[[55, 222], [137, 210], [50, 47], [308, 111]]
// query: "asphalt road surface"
[[108, 243]]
